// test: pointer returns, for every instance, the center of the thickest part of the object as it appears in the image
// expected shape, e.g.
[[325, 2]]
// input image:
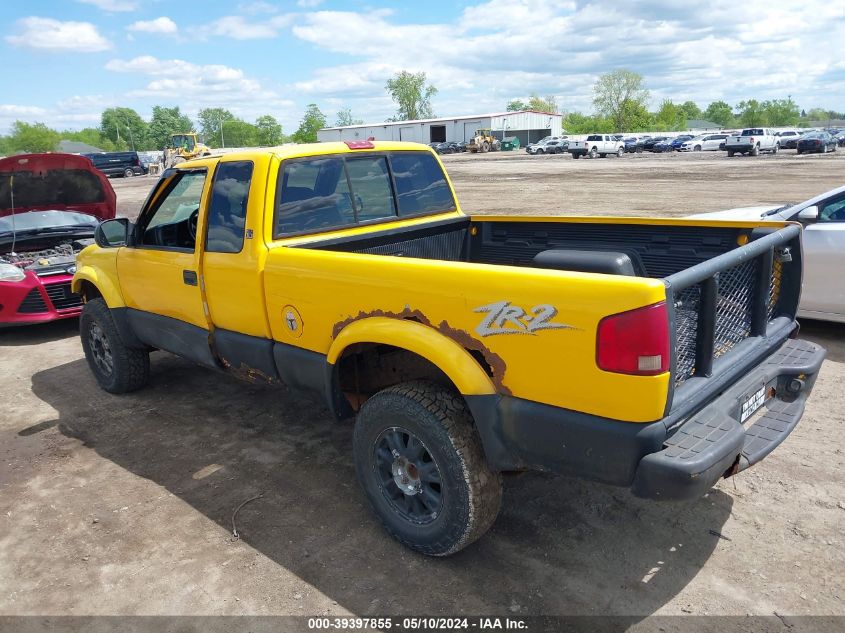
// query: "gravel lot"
[[123, 505]]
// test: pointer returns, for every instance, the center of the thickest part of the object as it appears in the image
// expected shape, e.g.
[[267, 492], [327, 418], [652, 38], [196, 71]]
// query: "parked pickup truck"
[[753, 141], [655, 354], [597, 145]]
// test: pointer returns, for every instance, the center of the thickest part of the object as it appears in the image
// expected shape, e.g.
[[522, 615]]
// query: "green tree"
[[31, 138], [670, 117], [613, 91], [166, 122], [781, 112], [539, 104], [239, 133], [516, 105], [751, 113], [721, 113], [312, 121], [578, 123], [269, 131], [691, 110], [344, 118], [412, 96], [211, 120], [125, 128], [637, 116], [90, 135]]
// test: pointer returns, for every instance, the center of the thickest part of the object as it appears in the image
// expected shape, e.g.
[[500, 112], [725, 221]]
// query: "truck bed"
[[720, 293]]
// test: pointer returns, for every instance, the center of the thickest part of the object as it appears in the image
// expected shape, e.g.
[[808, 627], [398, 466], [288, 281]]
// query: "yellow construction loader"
[[483, 141], [184, 147]]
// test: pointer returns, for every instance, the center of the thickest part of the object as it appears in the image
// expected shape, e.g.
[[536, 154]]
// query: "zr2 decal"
[[504, 318]]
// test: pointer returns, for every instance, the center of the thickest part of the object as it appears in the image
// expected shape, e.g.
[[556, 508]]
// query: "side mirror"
[[810, 214], [112, 233]]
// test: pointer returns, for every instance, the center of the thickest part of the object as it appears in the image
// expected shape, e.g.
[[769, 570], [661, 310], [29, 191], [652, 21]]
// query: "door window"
[[172, 220], [227, 209], [833, 211]]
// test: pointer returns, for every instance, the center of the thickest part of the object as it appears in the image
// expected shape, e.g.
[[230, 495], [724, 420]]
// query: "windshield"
[[36, 220], [183, 140], [60, 187]]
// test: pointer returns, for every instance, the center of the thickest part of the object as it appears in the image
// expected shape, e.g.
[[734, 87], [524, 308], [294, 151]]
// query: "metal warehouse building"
[[527, 125]]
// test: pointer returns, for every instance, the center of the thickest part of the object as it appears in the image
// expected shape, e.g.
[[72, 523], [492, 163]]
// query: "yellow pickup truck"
[[655, 354]]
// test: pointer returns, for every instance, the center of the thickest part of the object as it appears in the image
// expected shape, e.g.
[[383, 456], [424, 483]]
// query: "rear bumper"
[[656, 462], [581, 151], [739, 147]]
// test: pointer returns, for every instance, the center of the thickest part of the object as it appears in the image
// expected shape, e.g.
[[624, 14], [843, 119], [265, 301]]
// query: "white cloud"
[[500, 49], [113, 6], [53, 35], [163, 25], [239, 28], [309, 4]]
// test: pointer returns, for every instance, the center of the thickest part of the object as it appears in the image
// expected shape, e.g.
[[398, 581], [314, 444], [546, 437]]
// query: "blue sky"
[[64, 61]]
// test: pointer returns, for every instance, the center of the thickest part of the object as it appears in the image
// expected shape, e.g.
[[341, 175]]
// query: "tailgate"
[[730, 312]]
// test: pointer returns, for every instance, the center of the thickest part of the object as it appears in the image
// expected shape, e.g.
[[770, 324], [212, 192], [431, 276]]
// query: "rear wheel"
[[619, 152], [421, 465], [574, 155], [117, 368], [755, 151], [594, 152], [730, 154], [485, 147], [697, 148], [799, 151], [776, 148], [128, 173]]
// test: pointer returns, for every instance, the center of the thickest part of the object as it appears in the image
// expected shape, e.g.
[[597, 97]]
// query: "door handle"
[[189, 277]]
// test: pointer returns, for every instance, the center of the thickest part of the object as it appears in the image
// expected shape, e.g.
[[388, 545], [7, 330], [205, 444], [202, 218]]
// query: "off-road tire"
[[471, 493], [130, 366], [485, 147]]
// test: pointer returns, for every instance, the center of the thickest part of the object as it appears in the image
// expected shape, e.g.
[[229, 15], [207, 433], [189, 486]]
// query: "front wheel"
[[128, 173], [619, 152], [697, 148], [421, 465], [574, 155], [117, 368], [776, 149], [730, 154]]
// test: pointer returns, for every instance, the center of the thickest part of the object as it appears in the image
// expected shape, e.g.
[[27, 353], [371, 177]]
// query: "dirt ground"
[[123, 505]]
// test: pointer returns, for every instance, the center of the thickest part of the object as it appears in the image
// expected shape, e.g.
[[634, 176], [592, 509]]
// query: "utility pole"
[[222, 142]]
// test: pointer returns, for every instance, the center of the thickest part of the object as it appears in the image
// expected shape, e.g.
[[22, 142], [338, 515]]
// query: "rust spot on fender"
[[494, 361]]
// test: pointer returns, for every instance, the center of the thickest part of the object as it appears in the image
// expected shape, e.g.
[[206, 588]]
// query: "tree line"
[[620, 102]]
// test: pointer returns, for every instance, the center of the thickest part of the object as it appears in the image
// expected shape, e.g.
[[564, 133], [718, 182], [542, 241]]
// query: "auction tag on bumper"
[[752, 404]]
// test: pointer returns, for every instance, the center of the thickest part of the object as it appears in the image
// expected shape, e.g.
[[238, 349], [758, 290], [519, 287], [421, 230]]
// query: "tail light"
[[751, 139], [635, 342]]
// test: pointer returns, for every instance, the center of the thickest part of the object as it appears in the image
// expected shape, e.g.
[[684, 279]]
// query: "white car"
[[540, 146], [597, 145], [704, 143], [823, 217]]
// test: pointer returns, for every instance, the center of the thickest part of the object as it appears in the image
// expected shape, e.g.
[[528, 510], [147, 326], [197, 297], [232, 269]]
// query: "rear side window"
[[335, 191], [594, 137], [227, 212]]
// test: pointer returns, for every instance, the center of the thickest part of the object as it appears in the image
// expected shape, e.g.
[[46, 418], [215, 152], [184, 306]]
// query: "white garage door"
[[470, 127], [409, 133]]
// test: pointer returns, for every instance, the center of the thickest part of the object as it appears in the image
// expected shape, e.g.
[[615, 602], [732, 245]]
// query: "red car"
[[50, 205]]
